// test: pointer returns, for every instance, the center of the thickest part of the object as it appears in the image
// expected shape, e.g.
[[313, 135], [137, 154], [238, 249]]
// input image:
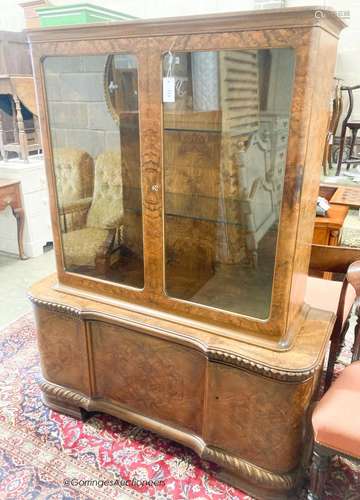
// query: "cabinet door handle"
[[155, 187]]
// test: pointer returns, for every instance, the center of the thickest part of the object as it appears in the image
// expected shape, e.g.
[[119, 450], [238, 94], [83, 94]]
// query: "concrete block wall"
[[349, 44], [78, 113]]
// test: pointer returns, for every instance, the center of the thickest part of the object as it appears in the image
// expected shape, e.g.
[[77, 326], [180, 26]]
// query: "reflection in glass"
[[225, 140], [95, 136]]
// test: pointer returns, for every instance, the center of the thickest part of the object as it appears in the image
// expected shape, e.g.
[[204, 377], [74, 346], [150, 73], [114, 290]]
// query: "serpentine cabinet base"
[[241, 406]]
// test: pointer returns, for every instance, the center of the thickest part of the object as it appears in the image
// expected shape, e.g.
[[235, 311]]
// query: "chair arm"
[[76, 206], [107, 247], [353, 277], [110, 239], [104, 252]]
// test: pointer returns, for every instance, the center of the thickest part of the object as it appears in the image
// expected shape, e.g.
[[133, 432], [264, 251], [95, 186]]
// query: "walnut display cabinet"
[[183, 159]]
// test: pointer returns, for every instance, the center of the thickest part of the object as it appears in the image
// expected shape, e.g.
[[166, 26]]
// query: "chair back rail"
[[344, 126], [333, 258]]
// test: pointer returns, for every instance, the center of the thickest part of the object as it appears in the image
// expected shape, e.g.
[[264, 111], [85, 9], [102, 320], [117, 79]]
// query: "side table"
[[349, 196], [10, 195]]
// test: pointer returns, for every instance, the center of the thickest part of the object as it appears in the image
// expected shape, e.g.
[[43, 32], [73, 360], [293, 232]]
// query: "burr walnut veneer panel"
[[239, 405], [236, 389]]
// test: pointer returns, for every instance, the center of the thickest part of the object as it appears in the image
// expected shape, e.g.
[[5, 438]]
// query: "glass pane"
[[225, 140], [94, 122]]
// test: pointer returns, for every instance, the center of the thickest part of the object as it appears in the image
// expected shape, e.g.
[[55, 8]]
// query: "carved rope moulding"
[[251, 472], [214, 355]]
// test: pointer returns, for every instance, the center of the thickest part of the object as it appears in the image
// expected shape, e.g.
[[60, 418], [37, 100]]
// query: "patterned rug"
[[46, 455]]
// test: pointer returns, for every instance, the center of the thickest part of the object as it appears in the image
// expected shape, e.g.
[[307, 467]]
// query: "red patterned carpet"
[[45, 455]]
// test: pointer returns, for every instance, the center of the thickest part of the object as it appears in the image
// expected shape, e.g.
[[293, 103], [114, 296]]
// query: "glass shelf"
[[222, 179]]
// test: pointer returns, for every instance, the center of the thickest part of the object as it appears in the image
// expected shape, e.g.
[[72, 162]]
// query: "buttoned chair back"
[[107, 209], [74, 174], [92, 244]]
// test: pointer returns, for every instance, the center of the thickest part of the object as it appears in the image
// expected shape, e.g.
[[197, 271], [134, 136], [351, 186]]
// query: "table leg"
[[19, 215]]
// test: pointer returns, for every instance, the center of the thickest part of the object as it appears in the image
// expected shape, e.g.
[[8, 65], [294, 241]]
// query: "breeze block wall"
[[79, 116]]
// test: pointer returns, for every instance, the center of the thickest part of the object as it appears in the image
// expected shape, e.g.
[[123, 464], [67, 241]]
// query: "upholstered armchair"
[[336, 296], [93, 244], [74, 171], [335, 424], [335, 419]]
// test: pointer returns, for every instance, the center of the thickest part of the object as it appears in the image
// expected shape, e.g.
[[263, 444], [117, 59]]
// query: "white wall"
[[348, 61], [348, 67], [11, 16], [348, 58]]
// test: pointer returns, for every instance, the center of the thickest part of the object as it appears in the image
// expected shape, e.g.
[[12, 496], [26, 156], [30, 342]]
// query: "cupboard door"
[[222, 186], [93, 111]]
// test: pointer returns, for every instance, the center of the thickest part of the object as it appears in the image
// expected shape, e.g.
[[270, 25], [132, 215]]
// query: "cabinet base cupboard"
[[183, 160]]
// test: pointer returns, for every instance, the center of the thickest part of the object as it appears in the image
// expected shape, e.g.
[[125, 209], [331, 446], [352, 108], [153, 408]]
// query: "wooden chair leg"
[[333, 353], [341, 149], [336, 341], [326, 155], [101, 264], [318, 472], [356, 345], [330, 155], [343, 334], [24, 155], [353, 140]]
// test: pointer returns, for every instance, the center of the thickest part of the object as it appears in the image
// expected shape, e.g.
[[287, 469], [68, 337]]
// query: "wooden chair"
[[336, 427], [332, 127], [354, 127], [24, 140], [336, 296]]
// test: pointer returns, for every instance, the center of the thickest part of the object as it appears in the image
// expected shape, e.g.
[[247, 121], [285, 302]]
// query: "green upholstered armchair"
[[74, 172], [93, 244]]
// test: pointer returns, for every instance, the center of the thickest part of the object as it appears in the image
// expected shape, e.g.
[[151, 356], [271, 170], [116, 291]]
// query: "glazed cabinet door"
[[169, 156], [226, 118], [93, 117]]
